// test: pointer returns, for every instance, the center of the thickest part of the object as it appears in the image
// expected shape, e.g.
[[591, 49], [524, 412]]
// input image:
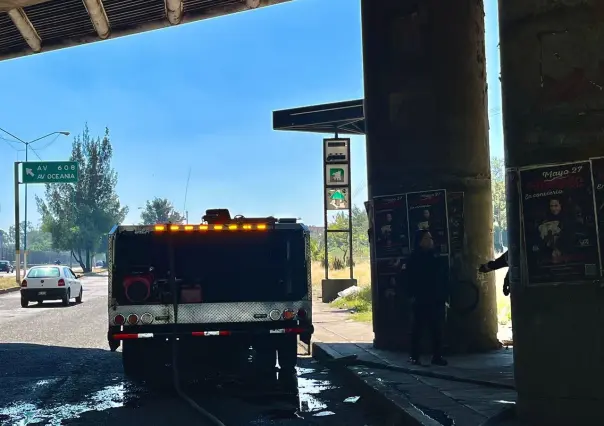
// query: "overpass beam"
[[98, 16], [552, 73], [174, 11], [25, 27], [426, 122]]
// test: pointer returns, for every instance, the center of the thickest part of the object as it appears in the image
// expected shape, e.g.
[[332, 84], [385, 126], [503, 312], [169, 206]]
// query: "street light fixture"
[[27, 143]]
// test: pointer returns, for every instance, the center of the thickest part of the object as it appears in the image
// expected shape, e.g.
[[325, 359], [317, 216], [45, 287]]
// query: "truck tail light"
[[24, 283], [302, 314], [288, 314], [119, 319]]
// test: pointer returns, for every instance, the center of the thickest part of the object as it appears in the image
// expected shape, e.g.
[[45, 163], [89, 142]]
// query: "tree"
[[160, 210], [500, 224], [77, 215], [10, 238], [360, 238]]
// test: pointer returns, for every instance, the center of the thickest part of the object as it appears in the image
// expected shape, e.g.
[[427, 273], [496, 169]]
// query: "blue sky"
[[200, 96]]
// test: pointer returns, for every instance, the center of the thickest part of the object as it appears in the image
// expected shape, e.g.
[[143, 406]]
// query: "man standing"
[[428, 288]]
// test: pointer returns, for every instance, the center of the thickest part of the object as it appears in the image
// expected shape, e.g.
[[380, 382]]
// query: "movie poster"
[[513, 211], [428, 210], [559, 224], [390, 226], [597, 170], [390, 277], [456, 222]]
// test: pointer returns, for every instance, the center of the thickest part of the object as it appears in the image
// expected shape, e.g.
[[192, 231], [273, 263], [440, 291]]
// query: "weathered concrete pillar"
[[426, 112], [552, 56]]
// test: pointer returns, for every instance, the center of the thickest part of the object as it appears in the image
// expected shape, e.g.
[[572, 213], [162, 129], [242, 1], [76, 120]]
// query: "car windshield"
[[44, 272]]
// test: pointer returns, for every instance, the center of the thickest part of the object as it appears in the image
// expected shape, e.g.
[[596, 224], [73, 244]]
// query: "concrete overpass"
[[35, 26], [425, 120]]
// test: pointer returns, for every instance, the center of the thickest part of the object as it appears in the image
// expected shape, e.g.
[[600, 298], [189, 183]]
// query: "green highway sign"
[[49, 172]]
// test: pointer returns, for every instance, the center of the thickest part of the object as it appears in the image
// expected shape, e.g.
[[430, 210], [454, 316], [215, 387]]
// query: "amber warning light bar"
[[213, 227]]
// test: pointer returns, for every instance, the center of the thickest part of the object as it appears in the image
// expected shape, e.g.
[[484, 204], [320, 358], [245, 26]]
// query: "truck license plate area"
[[42, 293]]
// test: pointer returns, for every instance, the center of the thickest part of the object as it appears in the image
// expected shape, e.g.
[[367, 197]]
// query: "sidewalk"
[[472, 390]]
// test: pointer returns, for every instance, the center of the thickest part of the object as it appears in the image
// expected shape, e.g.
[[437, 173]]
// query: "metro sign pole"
[[337, 182], [38, 172]]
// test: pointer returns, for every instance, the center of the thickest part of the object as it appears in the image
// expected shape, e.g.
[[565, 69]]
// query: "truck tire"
[[287, 349], [132, 359]]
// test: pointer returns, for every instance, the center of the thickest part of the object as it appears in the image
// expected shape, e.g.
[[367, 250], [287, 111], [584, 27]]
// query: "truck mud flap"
[[305, 339]]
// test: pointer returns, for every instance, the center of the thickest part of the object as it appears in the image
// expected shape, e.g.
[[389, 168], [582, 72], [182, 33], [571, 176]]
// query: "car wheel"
[[79, 298], [66, 298], [24, 303]]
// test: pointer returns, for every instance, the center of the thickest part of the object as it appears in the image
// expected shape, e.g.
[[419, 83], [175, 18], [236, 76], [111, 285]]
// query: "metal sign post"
[[17, 232], [337, 182]]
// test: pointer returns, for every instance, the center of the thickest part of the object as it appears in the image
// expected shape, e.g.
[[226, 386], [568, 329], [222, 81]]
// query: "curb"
[[400, 411], [9, 290], [504, 415]]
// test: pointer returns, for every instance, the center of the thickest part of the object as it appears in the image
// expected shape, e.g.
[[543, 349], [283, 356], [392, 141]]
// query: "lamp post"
[[27, 143]]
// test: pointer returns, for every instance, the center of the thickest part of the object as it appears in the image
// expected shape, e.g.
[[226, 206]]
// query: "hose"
[[175, 376]]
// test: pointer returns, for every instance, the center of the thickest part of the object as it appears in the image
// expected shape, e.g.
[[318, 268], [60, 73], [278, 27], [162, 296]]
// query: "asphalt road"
[[55, 369]]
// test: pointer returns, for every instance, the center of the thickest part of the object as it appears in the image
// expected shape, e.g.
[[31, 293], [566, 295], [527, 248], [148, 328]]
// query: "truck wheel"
[[132, 360], [288, 353], [24, 302]]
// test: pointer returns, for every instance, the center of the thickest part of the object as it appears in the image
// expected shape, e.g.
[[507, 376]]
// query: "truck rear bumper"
[[128, 335]]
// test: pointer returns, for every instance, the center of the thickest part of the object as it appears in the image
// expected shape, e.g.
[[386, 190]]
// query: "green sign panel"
[[49, 172]]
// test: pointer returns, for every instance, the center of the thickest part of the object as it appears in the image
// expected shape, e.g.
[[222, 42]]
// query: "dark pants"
[[428, 315]]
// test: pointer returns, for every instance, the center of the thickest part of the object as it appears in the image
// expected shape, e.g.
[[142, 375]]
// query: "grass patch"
[[359, 304], [7, 282]]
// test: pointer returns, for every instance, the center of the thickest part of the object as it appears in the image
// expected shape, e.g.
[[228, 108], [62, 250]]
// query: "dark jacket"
[[502, 262], [427, 276]]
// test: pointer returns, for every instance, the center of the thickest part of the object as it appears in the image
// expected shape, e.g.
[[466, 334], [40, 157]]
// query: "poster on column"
[[597, 171], [559, 223], [456, 222], [428, 210], [391, 234]]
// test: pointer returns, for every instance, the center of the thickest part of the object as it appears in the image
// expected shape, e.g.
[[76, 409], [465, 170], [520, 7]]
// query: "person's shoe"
[[415, 360], [439, 360]]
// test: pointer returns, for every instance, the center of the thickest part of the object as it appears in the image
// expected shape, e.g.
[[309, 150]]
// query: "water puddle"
[[308, 391], [21, 414]]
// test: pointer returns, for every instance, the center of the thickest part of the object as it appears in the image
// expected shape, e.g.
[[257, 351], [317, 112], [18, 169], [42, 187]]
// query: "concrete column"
[[552, 55], [426, 112]]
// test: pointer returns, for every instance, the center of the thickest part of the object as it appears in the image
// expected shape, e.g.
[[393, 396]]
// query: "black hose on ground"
[[175, 376]]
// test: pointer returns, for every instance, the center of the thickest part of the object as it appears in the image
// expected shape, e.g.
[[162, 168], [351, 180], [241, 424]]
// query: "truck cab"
[[224, 291]]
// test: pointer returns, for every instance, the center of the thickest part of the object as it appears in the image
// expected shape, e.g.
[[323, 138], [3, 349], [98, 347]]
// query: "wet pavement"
[[55, 369]]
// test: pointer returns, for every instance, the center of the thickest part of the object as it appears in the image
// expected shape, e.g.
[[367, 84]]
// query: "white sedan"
[[50, 282]]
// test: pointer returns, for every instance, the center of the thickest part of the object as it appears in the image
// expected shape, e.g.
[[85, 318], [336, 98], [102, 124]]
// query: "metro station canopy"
[[34, 26], [346, 117]]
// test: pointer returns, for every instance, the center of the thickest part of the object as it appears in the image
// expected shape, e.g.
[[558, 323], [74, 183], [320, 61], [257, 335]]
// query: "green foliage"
[[338, 242], [160, 210], [78, 215], [500, 224]]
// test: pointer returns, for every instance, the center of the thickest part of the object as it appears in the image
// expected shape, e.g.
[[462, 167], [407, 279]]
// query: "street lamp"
[[27, 143]]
